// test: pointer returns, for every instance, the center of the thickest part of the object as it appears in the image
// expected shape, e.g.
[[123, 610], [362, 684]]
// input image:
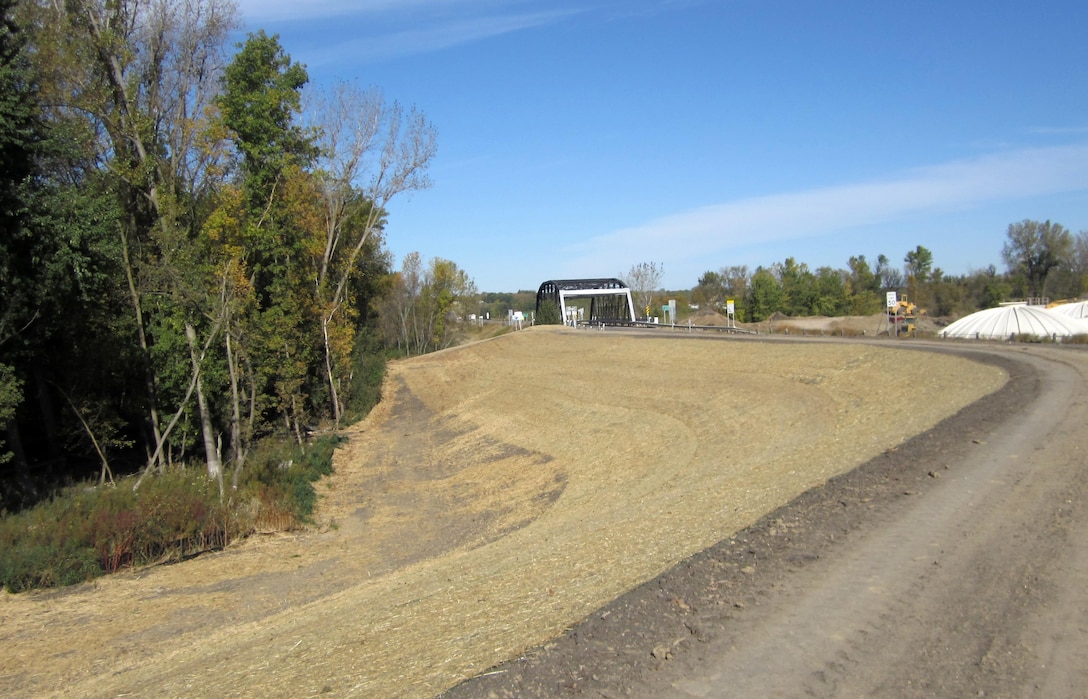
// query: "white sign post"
[[893, 301]]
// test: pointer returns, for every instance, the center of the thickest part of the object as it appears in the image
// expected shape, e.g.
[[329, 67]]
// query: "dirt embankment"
[[951, 566], [501, 493], [874, 325]]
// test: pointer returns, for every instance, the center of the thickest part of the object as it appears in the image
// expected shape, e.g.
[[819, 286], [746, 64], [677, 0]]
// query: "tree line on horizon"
[[1043, 260]]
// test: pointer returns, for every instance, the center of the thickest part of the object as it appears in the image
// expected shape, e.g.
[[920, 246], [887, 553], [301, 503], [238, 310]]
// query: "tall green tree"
[[448, 294], [277, 222], [261, 98], [863, 290], [831, 292], [798, 287], [19, 132], [136, 78], [918, 265], [710, 291], [765, 295], [1034, 249]]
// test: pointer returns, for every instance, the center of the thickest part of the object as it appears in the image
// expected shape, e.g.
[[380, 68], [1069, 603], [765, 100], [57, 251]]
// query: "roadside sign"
[[892, 299]]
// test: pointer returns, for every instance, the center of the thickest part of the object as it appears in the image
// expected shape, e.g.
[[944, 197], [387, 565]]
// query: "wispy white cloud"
[[955, 186], [383, 29], [434, 36], [1060, 130], [386, 11], [256, 11]]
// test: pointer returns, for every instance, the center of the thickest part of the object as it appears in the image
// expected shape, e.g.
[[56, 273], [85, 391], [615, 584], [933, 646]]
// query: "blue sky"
[[580, 137]]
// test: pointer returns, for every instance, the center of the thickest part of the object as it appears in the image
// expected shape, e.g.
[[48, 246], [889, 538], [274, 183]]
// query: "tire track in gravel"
[[943, 599]]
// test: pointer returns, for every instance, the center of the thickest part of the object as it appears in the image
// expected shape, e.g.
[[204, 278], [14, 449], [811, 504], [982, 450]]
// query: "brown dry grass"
[[502, 492]]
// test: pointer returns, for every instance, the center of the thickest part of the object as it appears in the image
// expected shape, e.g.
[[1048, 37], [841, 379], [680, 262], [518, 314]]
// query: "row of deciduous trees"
[[421, 310], [192, 251], [1043, 259]]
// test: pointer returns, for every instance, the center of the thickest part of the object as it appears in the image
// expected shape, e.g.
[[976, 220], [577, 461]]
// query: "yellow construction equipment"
[[903, 315]]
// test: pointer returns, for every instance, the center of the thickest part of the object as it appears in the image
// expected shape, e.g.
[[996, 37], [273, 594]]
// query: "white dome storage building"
[[1008, 322], [1077, 310]]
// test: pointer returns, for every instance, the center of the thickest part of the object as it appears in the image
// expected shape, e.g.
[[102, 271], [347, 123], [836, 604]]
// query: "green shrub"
[[281, 477], [180, 515], [48, 545], [86, 531], [365, 388], [548, 314]]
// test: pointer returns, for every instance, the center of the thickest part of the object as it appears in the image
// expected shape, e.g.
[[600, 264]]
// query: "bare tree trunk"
[[238, 438], [145, 352], [166, 433], [106, 470], [336, 410], [294, 421], [215, 466], [237, 447], [15, 443], [251, 418]]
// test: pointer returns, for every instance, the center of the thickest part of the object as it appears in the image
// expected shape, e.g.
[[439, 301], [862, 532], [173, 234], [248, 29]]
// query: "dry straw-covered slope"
[[500, 493]]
